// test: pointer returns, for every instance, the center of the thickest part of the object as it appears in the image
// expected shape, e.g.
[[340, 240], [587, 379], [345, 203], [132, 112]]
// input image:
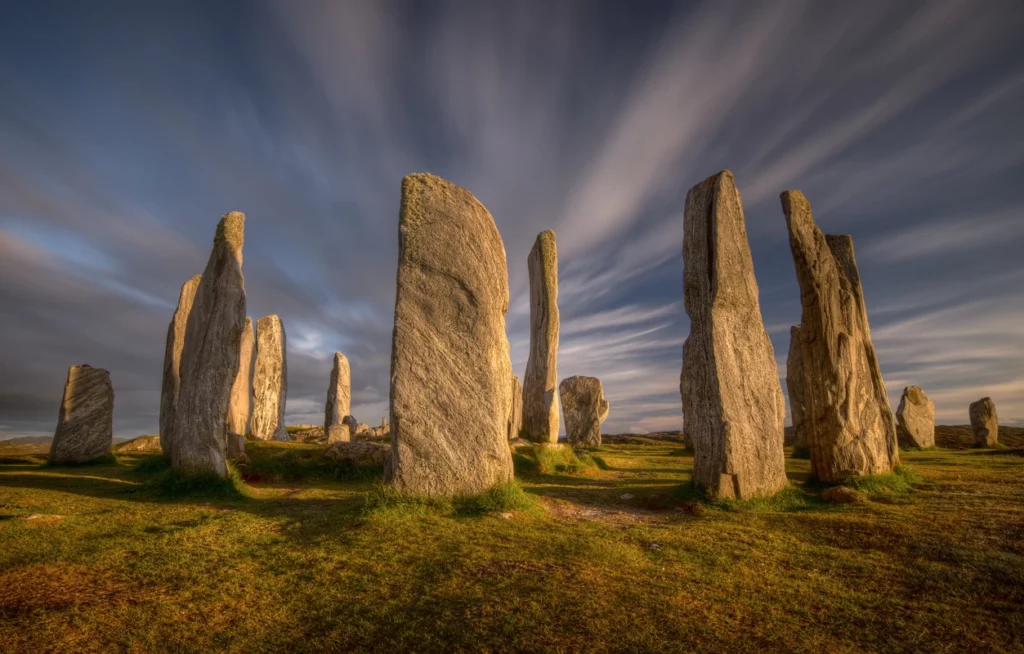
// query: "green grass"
[[552, 460], [613, 556]]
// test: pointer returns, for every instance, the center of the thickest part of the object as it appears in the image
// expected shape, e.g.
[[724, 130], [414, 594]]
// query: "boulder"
[[360, 453], [540, 383], [270, 381], [209, 358], [585, 408], [450, 366], [85, 424], [339, 398], [846, 419], [172, 362], [737, 410], [915, 419], [515, 412], [984, 423]]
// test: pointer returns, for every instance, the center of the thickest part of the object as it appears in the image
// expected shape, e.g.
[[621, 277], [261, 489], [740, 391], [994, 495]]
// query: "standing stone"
[[915, 419], [270, 381], [984, 422], [240, 409], [85, 425], [585, 409], [209, 359], [846, 419], [794, 372], [540, 384], [515, 413], [339, 398], [450, 364], [172, 362], [737, 410]]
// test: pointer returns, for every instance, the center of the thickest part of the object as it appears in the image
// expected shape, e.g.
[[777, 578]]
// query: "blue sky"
[[127, 129]]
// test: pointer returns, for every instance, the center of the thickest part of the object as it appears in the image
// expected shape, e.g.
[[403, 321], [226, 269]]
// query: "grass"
[[552, 460], [612, 556]]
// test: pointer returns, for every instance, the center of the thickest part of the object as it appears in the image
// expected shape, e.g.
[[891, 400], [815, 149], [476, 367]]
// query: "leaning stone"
[[85, 424], [270, 381], [209, 359], [360, 453], [737, 410], [540, 383], [515, 412], [846, 418], [240, 408], [450, 366], [172, 362], [339, 398], [915, 419], [984, 423], [585, 408]]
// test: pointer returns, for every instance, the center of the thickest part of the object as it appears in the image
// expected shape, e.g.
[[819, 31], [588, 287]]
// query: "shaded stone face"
[[172, 362], [240, 409], [794, 373], [85, 424], [735, 405], [270, 381], [515, 414], [584, 408], [846, 419], [339, 398], [209, 359], [450, 366], [915, 419], [540, 384], [984, 422]]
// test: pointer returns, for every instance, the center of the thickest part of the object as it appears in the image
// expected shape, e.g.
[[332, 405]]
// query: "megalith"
[[737, 410], [240, 408], [585, 408], [450, 366], [846, 420], [339, 398], [794, 372], [915, 419], [270, 381], [209, 358], [85, 423], [984, 422], [172, 362], [515, 413], [540, 383]]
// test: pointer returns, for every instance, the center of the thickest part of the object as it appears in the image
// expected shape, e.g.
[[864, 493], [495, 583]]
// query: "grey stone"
[[172, 362], [737, 410], [450, 366], [584, 408], [915, 419], [360, 453], [540, 383], [984, 422], [270, 381], [339, 399], [515, 413], [85, 424], [240, 408]]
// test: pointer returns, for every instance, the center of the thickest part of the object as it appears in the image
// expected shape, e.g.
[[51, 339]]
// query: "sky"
[[127, 129]]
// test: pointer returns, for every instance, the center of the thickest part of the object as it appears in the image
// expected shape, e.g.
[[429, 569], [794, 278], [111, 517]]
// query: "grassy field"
[[606, 553]]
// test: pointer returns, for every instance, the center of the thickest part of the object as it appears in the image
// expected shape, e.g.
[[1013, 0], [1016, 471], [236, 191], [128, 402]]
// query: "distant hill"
[[30, 440]]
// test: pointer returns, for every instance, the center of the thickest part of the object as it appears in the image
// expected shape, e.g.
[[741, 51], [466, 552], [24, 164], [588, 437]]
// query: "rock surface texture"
[[339, 398], [984, 422], [172, 362], [360, 453], [846, 419], [540, 383], [209, 359], [736, 405], [585, 408], [85, 424], [794, 373], [270, 381], [450, 366], [515, 413], [915, 419], [240, 408]]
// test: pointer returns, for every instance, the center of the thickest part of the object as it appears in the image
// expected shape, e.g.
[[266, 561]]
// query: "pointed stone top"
[[231, 230], [794, 201], [338, 356], [268, 320]]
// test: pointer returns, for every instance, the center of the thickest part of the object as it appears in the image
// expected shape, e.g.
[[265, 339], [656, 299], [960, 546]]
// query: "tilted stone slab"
[[584, 408], [171, 383], [85, 423], [984, 422], [915, 419]]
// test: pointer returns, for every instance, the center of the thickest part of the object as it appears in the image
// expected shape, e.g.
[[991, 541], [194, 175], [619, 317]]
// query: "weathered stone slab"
[[915, 419], [794, 373], [240, 408], [450, 366], [339, 400], [172, 362], [984, 422], [737, 410], [515, 413], [85, 423], [270, 381], [585, 408], [846, 421], [540, 383], [209, 358]]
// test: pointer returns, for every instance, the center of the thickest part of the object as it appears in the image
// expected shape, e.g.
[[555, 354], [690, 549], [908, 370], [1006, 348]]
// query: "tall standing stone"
[[515, 413], [450, 366], [794, 372], [85, 424], [915, 419], [209, 359], [270, 380], [339, 398], [240, 409], [585, 409], [172, 362], [984, 422], [738, 410], [847, 421], [540, 383]]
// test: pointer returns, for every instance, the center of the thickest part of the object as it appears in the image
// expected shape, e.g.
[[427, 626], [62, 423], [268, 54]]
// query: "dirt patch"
[[624, 515], [48, 588]]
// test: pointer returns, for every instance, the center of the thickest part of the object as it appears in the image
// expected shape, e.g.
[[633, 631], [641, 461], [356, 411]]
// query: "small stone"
[[505, 516], [626, 496], [540, 383], [984, 423], [360, 453], [85, 424], [270, 381], [584, 408], [915, 419]]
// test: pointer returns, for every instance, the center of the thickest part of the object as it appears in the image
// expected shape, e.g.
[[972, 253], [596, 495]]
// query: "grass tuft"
[[171, 485], [898, 482], [110, 459], [385, 500], [547, 460]]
